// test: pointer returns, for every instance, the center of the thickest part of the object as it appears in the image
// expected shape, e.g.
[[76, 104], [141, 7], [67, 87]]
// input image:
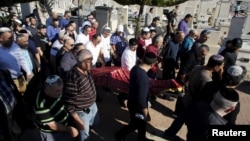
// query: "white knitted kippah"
[[4, 29]]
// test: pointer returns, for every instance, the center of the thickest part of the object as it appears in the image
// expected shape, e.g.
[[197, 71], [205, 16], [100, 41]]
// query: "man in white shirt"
[[83, 37], [95, 48], [106, 45], [129, 58]]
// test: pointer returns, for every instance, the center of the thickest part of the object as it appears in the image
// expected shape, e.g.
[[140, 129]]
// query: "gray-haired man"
[[80, 93]]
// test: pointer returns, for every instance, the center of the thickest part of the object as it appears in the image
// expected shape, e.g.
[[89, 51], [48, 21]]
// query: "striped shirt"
[[49, 109], [79, 91]]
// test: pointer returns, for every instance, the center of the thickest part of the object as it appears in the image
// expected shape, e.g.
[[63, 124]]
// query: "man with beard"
[[22, 41], [12, 59]]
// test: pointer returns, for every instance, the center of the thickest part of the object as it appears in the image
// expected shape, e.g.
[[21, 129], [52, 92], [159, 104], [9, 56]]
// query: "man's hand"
[[115, 55], [148, 117], [182, 77], [49, 43], [29, 77], [78, 121], [73, 131], [80, 125]]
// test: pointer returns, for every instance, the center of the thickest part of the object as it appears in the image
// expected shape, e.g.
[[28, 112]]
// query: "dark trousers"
[[179, 120], [231, 117], [134, 124], [169, 68], [108, 64]]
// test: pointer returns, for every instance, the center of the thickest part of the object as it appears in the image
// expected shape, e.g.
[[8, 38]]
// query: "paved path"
[[114, 117]]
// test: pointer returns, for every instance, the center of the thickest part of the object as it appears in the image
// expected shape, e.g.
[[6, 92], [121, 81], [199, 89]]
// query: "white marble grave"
[[246, 27], [222, 12]]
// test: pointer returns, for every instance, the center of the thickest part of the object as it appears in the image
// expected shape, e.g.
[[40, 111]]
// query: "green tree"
[[142, 3]]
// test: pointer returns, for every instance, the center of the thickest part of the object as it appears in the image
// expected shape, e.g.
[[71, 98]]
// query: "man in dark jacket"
[[138, 99], [230, 53]]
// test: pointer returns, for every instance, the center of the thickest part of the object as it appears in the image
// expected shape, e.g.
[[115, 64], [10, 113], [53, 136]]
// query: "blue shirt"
[[172, 50], [49, 21], [63, 22], [32, 46], [26, 55], [8, 61], [52, 33], [187, 44]]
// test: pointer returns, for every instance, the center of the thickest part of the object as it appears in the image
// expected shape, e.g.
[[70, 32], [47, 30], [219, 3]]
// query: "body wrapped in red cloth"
[[117, 78]]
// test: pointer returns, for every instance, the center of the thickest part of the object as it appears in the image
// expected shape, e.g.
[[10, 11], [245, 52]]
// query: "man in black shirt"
[[43, 46], [196, 57], [138, 99], [230, 53]]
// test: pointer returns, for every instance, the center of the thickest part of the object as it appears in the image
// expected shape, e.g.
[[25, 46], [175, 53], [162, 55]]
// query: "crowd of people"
[[48, 92]]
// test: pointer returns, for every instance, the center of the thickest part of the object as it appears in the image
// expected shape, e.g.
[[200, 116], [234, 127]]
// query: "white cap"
[[120, 28], [146, 29], [152, 28], [18, 21], [86, 23], [4, 29]]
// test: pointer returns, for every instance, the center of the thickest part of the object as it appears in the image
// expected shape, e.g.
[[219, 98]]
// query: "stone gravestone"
[[222, 12], [103, 16], [246, 27], [27, 8], [205, 8]]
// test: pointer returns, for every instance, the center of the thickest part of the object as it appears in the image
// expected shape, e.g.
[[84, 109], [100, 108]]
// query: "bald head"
[[54, 14], [193, 33], [69, 43]]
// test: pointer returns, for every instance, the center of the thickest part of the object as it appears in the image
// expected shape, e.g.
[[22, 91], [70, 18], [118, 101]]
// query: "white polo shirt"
[[105, 43], [82, 38], [128, 59], [95, 50]]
